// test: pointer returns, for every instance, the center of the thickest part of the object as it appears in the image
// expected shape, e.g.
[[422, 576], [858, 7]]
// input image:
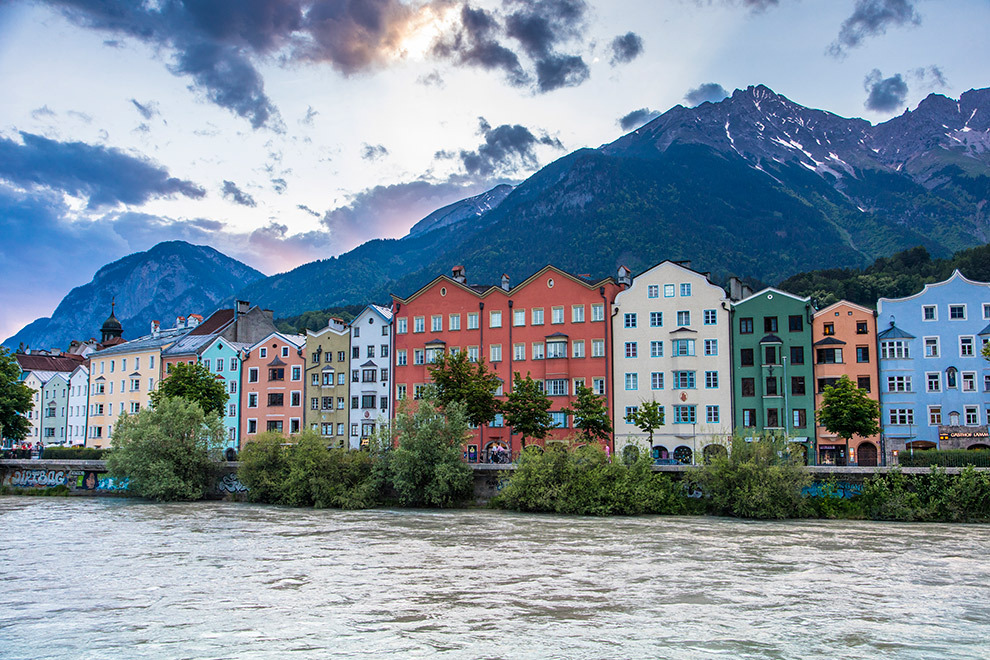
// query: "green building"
[[773, 380]]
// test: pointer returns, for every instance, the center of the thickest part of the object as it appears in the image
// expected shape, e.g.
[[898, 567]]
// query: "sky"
[[284, 131]]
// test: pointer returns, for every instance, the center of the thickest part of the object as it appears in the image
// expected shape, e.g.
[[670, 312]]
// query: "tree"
[[456, 378], [847, 410], [171, 452], [15, 399], [986, 351], [526, 409], [427, 469], [193, 382], [648, 417], [591, 415]]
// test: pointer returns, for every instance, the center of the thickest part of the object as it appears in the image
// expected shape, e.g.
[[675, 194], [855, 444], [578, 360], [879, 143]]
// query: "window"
[[577, 314], [232, 410], [367, 401], [472, 321], [684, 415], [400, 392], [384, 348], [356, 331], [685, 289], [538, 351], [598, 312], [929, 312], [711, 347], [297, 373], [473, 353], [957, 312], [341, 356], [536, 316], [746, 326], [986, 311], [683, 318], [680, 347], [894, 349], [710, 317], [931, 347], [656, 380], [436, 323], [828, 356], [597, 348], [933, 380], [826, 382], [419, 356], [770, 355], [453, 323], [629, 320], [495, 318], [252, 426], [356, 351], [518, 317], [419, 324], [519, 352], [135, 408], [795, 323], [771, 386], [632, 381], [253, 400], [135, 384], [748, 387], [495, 353], [369, 375], [295, 399], [969, 381], [556, 349], [828, 329], [285, 351], [400, 357], [276, 373], [656, 349], [656, 319], [653, 291], [384, 375], [935, 415], [800, 418], [773, 418], [276, 399], [749, 417], [342, 378], [354, 430], [557, 315], [797, 354], [711, 415], [711, 380], [901, 416], [898, 383], [631, 349], [966, 347], [630, 411], [355, 400], [598, 386], [556, 387], [950, 378], [861, 328], [577, 348], [668, 290], [769, 324], [797, 385], [746, 357], [683, 380], [862, 354], [401, 326]]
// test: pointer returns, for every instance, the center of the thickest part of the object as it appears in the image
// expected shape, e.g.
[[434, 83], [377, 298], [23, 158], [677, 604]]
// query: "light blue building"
[[934, 382], [223, 358]]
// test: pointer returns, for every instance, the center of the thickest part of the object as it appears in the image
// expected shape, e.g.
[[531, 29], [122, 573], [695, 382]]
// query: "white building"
[[670, 344], [371, 377], [78, 406]]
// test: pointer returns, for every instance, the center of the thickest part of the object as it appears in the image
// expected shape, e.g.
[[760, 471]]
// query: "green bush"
[[933, 497], [75, 453], [946, 458]]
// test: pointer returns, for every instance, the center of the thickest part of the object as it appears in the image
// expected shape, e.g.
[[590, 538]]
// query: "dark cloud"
[[43, 111], [147, 110], [279, 185], [711, 92], [626, 48], [476, 43], [637, 118], [236, 195], [885, 94], [373, 151], [303, 207], [871, 18], [931, 76], [506, 149], [105, 176]]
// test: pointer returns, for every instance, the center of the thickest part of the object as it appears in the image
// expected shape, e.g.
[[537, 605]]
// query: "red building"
[[553, 326], [272, 386]]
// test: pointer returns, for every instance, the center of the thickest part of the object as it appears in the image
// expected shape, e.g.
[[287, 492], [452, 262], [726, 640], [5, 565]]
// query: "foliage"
[[317, 319], [427, 469], [760, 479], [583, 481], [264, 468], [591, 415], [77, 452], [945, 458], [526, 409], [15, 399], [648, 417], [847, 410], [193, 382], [170, 452], [456, 378]]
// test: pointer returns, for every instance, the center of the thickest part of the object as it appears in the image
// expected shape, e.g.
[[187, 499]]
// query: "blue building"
[[934, 382], [223, 358]]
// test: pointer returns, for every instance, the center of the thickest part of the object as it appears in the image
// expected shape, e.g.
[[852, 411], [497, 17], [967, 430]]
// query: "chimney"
[[242, 307], [684, 262], [155, 326], [624, 276], [336, 324], [459, 275], [180, 322], [505, 282], [194, 320], [270, 315], [747, 290]]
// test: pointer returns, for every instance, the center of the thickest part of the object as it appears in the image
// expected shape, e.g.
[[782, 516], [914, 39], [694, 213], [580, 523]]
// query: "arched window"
[[951, 375]]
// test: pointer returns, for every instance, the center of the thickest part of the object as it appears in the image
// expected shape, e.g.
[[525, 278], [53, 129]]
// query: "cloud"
[[506, 149], [930, 76], [885, 94], [310, 116], [236, 195], [303, 207], [104, 176], [373, 152], [279, 185], [147, 110], [871, 18], [625, 48], [637, 118], [43, 111], [475, 43], [711, 92], [432, 79]]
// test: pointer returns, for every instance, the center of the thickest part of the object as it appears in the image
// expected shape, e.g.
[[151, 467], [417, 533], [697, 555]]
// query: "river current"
[[115, 578]]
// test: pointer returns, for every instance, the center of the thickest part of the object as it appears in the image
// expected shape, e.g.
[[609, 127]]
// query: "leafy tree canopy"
[[456, 378], [847, 410], [15, 399], [193, 382], [648, 417], [526, 409], [591, 415]]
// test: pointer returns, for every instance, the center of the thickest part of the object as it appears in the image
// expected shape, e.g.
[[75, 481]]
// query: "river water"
[[114, 578]]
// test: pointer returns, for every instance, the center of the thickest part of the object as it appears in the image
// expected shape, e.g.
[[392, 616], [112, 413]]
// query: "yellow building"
[[327, 366]]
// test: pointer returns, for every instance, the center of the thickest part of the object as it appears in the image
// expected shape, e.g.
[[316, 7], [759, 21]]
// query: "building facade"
[[371, 400], [935, 383], [78, 406], [272, 386], [553, 326], [223, 358], [772, 367], [845, 344], [327, 380], [670, 344]]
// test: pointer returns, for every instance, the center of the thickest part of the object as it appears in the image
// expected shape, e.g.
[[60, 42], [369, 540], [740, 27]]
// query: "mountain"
[[472, 208], [171, 279], [755, 185]]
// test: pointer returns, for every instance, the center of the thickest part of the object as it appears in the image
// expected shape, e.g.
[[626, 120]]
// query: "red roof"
[[66, 362], [217, 321]]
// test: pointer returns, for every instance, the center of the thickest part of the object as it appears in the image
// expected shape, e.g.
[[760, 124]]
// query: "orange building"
[[272, 386], [845, 341]]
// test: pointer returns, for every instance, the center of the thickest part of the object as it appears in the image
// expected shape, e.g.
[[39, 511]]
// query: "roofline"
[[708, 280], [772, 289], [373, 308], [848, 304], [320, 333], [282, 336], [955, 275]]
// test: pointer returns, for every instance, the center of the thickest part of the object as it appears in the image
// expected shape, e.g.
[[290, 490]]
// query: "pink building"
[[272, 386]]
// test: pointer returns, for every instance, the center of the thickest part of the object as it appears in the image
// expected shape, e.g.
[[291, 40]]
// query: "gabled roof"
[[956, 275], [985, 331], [218, 320], [369, 363], [298, 341], [844, 303], [557, 335], [829, 341], [65, 362], [771, 339], [893, 332], [164, 339], [770, 289], [277, 362], [236, 345], [683, 329]]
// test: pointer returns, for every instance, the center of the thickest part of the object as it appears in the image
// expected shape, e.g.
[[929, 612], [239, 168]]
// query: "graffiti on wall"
[[229, 483], [97, 481], [34, 478]]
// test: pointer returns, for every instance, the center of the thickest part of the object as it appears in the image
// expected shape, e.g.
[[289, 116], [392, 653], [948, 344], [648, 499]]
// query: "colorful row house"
[[272, 386], [371, 368], [328, 352]]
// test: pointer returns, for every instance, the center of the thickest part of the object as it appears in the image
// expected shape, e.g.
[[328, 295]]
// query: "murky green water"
[[89, 578]]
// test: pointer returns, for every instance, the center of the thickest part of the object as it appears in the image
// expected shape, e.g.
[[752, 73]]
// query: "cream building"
[[670, 344], [328, 380]]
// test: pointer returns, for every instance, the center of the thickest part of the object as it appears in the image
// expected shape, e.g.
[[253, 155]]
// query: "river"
[[114, 578]]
